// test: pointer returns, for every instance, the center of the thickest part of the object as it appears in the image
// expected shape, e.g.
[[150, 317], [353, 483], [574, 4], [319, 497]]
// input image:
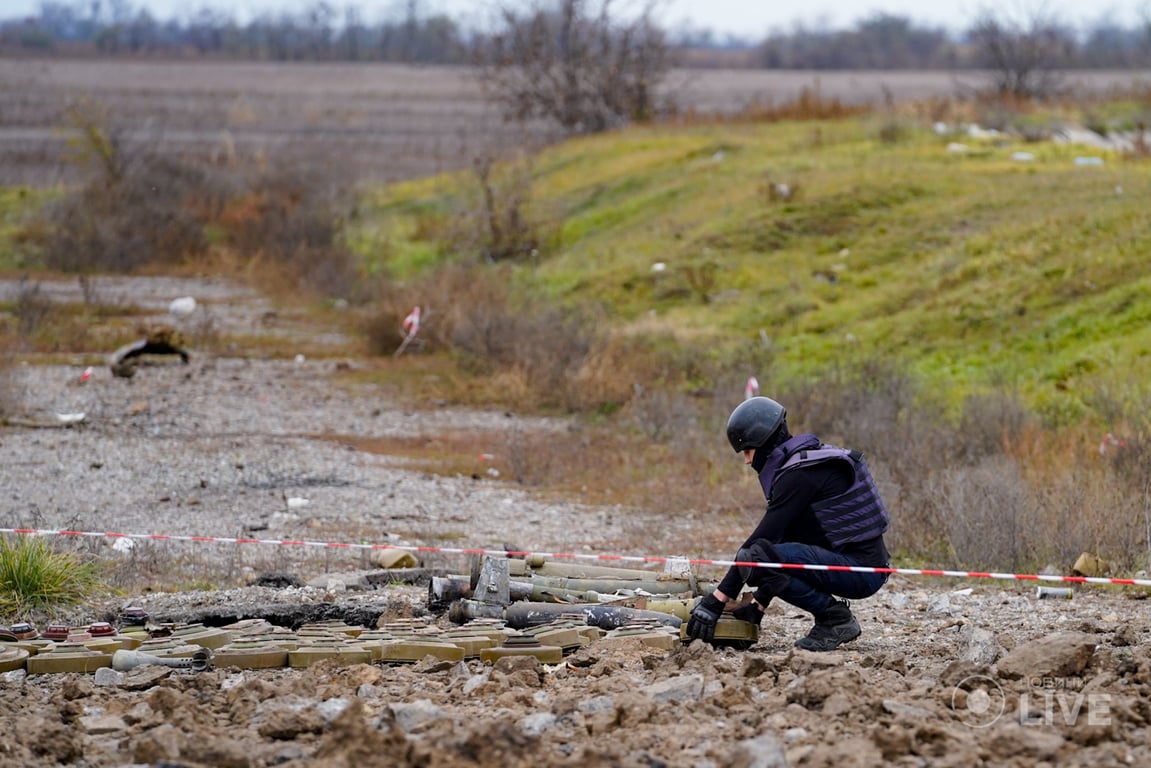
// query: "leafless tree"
[[575, 63], [1024, 50]]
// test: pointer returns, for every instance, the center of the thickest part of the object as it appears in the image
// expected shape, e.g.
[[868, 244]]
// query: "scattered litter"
[[393, 558], [1023, 157], [296, 502], [87, 374], [1089, 161], [1111, 442], [159, 341], [659, 266], [71, 418], [182, 307], [1089, 565], [956, 148], [1047, 593], [300, 359], [123, 545], [978, 132]]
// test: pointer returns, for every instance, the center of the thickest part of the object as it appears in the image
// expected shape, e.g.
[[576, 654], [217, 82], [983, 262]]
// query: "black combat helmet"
[[753, 422]]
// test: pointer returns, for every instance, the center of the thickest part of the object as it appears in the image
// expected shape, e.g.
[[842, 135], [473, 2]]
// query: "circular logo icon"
[[979, 700]]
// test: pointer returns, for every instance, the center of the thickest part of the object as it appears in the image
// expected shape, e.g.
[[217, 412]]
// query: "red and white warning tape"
[[588, 556]]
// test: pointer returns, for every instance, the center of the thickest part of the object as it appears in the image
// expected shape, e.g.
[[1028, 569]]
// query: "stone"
[[681, 688], [1065, 654]]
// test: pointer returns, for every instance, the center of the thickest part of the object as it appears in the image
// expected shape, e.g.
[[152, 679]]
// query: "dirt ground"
[[947, 672]]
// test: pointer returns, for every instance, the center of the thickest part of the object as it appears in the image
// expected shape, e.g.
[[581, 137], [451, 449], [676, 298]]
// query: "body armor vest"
[[857, 514]]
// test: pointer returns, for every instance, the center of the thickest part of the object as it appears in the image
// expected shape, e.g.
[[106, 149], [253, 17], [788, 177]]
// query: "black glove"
[[749, 613], [705, 615]]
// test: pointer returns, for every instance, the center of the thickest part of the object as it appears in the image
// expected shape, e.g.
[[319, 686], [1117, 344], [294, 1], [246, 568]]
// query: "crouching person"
[[823, 508]]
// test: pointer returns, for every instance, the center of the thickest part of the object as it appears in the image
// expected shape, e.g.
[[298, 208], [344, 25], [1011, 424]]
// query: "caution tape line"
[[662, 559]]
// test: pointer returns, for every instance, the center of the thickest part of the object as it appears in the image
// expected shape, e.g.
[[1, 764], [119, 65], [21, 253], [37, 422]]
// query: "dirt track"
[[947, 673]]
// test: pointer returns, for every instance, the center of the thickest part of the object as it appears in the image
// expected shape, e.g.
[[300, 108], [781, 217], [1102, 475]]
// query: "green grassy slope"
[[974, 269]]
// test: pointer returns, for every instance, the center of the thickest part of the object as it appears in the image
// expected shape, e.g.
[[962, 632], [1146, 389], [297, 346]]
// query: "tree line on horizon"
[[321, 31]]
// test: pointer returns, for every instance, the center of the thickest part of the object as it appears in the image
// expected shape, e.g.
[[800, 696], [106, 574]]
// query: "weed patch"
[[35, 577]]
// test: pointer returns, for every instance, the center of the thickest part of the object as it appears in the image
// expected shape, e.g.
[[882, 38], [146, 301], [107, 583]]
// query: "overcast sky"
[[742, 18]]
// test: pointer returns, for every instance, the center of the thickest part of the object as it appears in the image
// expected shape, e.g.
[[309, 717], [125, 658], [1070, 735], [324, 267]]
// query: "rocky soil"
[[947, 673]]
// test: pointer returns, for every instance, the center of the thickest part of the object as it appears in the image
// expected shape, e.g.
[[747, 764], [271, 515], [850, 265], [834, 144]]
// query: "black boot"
[[834, 627]]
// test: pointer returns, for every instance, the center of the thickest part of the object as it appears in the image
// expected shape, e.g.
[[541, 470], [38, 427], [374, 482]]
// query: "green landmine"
[[68, 657], [410, 650], [524, 645], [345, 653]]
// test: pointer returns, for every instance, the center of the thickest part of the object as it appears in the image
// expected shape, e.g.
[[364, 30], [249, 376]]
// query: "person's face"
[[748, 455]]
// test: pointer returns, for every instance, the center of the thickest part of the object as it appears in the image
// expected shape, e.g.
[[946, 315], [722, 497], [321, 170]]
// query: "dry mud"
[[947, 672]]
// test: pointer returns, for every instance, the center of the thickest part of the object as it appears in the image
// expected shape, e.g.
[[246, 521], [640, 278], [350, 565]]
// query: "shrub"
[[575, 64], [35, 577], [32, 308], [137, 207], [288, 228]]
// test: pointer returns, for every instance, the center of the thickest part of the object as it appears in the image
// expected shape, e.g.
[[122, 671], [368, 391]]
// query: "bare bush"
[[663, 416], [503, 228], [858, 404], [532, 459], [1023, 53], [535, 349], [988, 424], [547, 344], [136, 207], [987, 515], [32, 308], [120, 225], [288, 225], [576, 65]]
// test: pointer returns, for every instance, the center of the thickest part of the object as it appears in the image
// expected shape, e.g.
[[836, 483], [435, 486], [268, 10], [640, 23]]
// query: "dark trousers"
[[812, 590]]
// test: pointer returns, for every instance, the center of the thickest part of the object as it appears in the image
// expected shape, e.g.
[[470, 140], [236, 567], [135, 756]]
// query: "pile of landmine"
[[551, 611]]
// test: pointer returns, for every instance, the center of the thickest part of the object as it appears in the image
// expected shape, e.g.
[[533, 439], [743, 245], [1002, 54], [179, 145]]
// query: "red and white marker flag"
[[411, 323], [752, 388], [411, 326]]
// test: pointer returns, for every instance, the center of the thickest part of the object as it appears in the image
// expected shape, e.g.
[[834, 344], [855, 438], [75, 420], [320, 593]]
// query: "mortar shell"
[[1061, 593]]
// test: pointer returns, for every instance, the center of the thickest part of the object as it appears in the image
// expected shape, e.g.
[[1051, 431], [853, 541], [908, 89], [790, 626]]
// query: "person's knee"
[[758, 552], [768, 579]]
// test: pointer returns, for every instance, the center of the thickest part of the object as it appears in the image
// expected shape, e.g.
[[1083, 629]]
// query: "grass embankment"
[[973, 271]]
